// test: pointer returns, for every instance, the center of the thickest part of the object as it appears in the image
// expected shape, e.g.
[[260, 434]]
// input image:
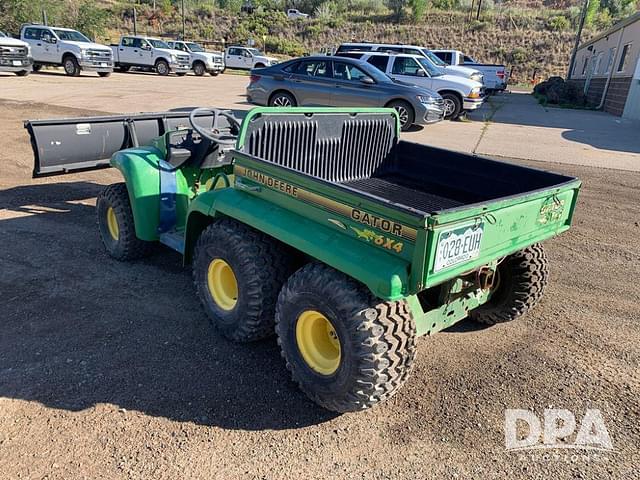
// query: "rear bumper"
[[472, 103], [257, 95], [9, 64]]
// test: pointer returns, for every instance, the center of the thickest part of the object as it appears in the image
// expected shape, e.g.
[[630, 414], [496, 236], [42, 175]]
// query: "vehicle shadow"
[[81, 329]]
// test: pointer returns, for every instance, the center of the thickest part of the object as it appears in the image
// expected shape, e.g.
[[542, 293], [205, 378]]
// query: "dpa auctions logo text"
[[523, 430]]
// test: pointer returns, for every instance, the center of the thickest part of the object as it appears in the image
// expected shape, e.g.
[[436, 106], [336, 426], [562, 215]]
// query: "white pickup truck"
[[495, 75], [15, 56], [247, 58], [201, 60], [459, 94], [148, 53], [67, 48]]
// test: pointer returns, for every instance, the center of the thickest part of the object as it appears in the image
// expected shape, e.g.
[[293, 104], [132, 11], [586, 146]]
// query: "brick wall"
[[616, 94]]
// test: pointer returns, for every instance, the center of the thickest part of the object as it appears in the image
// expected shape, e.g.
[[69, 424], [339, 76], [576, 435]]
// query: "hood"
[[418, 90], [169, 51], [466, 71], [465, 83], [95, 46], [208, 54], [264, 57], [12, 42]]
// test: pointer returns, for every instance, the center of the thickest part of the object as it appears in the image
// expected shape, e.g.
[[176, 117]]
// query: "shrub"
[[284, 47], [558, 23]]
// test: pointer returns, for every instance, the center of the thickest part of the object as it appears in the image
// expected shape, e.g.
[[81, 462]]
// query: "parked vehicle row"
[[15, 56], [342, 82], [495, 75]]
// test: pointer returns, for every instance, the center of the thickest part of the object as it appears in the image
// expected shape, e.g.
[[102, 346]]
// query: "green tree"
[[396, 7], [418, 9]]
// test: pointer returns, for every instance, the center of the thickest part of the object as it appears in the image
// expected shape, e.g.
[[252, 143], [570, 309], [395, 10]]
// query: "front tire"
[[162, 68], [71, 66], [37, 67], [405, 113], [345, 348], [199, 69], [238, 273], [520, 282], [117, 226], [452, 106], [282, 99], [22, 73]]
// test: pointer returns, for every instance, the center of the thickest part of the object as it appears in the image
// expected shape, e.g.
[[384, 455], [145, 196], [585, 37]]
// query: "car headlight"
[[475, 92], [427, 99], [84, 53], [173, 58]]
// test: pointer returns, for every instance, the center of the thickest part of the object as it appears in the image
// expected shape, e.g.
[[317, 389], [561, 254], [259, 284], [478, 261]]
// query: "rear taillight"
[[254, 78], [500, 74]]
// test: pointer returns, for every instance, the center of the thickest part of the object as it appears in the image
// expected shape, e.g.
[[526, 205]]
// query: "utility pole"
[[44, 17], [183, 32], [135, 22], [479, 7], [583, 15]]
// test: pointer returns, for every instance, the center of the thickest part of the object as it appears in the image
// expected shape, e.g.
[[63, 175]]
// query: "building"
[[607, 68]]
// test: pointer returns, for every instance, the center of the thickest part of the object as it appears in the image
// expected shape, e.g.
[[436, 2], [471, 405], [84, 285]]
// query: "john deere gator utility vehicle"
[[320, 225]]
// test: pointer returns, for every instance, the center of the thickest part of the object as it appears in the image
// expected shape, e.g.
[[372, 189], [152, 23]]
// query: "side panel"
[[141, 172], [385, 275]]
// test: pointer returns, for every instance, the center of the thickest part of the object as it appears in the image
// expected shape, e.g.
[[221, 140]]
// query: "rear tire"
[[238, 273], [345, 348], [452, 105], [70, 65], [405, 112], [162, 68], [116, 224], [282, 99], [199, 69], [522, 278]]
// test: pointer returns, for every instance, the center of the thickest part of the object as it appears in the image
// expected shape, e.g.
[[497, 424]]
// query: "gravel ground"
[[110, 370]]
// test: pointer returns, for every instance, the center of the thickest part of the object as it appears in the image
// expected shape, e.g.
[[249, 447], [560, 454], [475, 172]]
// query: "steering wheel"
[[214, 134]]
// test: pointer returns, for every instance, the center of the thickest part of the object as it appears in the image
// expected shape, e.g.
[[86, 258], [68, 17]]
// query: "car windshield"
[[157, 43], [194, 47], [432, 69], [434, 58], [70, 35], [254, 51]]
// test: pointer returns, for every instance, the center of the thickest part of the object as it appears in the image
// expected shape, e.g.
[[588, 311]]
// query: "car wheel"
[[71, 66], [259, 65], [22, 73], [37, 67], [452, 106], [198, 69], [282, 99], [405, 113], [162, 68]]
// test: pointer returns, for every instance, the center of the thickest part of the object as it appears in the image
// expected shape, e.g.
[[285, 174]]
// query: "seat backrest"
[[334, 146]]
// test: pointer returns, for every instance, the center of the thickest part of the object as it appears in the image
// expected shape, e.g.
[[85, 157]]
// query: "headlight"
[[427, 99], [84, 53], [173, 58], [475, 92]]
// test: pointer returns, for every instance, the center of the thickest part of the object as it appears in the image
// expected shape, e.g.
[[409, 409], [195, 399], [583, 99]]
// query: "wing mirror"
[[422, 73], [367, 80], [145, 46]]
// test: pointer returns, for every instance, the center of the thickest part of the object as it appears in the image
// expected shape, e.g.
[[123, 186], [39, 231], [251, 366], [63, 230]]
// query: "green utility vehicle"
[[320, 225]]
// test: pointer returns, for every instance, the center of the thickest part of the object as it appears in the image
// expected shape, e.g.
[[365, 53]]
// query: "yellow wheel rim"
[[112, 224], [222, 283], [318, 342]]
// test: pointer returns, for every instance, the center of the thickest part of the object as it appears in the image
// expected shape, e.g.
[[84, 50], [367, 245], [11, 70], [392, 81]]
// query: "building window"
[[623, 57], [584, 66], [612, 57], [598, 61]]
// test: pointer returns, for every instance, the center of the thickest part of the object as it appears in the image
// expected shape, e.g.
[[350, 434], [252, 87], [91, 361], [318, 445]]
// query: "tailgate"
[[466, 238]]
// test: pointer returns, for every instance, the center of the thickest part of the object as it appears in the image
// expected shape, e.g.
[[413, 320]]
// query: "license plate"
[[103, 64], [17, 63], [458, 245]]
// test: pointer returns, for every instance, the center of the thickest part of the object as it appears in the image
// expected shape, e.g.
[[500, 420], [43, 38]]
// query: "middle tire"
[[346, 349], [238, 273]]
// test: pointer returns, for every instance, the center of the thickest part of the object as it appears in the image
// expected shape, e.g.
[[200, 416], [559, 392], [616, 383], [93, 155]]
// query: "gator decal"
[[355, 214], [551, 210]]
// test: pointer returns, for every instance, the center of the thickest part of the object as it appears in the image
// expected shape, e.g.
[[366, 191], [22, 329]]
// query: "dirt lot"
[[110, 370]]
